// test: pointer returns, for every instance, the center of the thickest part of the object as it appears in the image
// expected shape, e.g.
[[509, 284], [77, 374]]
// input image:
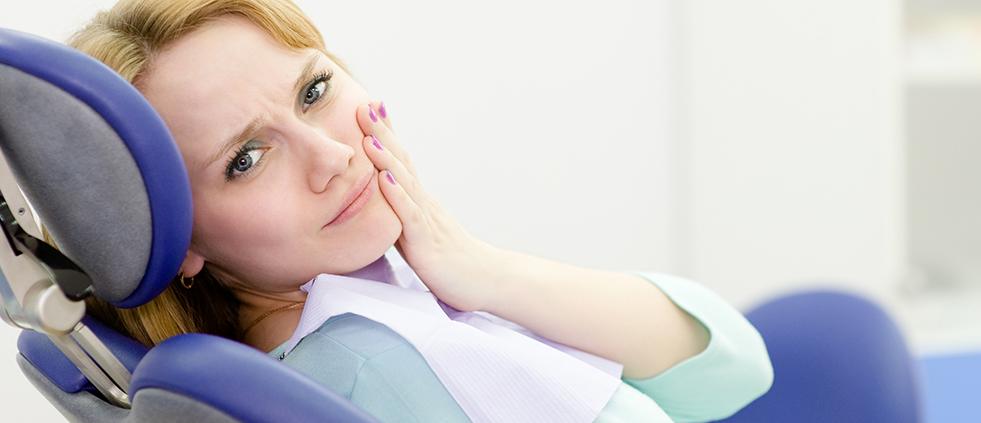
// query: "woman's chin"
[[386, 226], [377, 230]]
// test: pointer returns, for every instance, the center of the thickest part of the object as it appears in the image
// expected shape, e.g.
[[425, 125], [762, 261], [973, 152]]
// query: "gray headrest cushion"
[[80, 177]]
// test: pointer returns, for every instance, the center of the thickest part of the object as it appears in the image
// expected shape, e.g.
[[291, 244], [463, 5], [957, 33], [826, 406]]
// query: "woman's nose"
[[328, 158]]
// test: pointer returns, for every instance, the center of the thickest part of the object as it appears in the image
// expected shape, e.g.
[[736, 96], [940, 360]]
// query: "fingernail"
[[374, 142], [390, 177], [371, 114], [381, 110]]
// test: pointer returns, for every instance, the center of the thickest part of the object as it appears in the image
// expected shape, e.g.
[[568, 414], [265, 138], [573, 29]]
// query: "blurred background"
[[757, 147]]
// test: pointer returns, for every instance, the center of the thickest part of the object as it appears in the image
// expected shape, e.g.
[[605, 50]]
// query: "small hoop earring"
[[185, 283]]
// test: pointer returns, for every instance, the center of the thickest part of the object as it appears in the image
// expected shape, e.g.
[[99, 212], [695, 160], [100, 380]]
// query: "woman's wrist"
[[511, 278], [497, 275], [488, 273]]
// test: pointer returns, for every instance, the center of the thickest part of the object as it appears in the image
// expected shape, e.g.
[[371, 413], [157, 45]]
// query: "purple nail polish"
[[382, 111], [390, 177], [374, 142], [371, 114]]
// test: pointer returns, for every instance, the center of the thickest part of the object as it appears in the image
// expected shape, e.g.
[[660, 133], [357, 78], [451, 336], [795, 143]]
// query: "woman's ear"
[[193, 262]]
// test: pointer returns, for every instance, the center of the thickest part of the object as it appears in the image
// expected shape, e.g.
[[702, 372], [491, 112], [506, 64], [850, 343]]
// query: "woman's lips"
[[356, 205]]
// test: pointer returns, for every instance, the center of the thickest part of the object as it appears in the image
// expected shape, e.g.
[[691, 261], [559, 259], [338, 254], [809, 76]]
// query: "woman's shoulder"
[[375, 368], [360, 336], [337, 352]]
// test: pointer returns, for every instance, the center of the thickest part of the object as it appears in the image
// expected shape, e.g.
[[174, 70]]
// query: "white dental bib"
[[495, 370]]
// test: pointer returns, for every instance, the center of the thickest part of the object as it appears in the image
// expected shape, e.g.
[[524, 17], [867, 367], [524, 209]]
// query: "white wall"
[[753, 146], [792, 162], [794, 158], [541, 125]]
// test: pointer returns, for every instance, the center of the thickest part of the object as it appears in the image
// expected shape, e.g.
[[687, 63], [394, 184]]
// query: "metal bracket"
[[50, 312], [106, 373], [33, 294]]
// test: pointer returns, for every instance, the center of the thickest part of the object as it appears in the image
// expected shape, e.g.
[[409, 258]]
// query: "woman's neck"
[[268, 319]]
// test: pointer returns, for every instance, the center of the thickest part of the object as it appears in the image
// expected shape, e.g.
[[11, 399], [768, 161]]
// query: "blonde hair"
[[126, 38]]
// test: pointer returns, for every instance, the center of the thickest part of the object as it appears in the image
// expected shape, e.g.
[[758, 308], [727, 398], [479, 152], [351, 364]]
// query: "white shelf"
[[914, 8], [942, 49]]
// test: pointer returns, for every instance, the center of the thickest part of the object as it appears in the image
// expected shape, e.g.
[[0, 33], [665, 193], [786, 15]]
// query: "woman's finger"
[[408, 212], [384, 159], [382, 113], [372, 124]]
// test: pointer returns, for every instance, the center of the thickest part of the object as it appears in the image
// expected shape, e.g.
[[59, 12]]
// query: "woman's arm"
[[733, 370], [695, 369], [724, 374], [617, 316], [613, 315], [682, 345]]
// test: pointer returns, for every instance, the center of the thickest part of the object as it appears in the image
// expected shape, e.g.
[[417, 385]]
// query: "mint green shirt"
[[382, 373]]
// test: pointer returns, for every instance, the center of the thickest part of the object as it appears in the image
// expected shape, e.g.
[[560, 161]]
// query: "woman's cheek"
[[235, 218], [342, 118]]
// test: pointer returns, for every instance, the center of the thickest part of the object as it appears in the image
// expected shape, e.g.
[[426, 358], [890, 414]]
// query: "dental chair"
[[837, 357], [101, 170]]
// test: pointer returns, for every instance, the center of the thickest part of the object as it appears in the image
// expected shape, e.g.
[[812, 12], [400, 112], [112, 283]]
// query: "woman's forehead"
[[223, 56], [207, 85]]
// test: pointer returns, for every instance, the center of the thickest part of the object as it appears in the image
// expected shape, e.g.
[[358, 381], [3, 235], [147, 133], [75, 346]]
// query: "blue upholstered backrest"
[[836, 358], [97, 163]]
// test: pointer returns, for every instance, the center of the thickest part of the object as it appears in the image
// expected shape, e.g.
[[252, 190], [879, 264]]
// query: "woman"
[[295, 172]]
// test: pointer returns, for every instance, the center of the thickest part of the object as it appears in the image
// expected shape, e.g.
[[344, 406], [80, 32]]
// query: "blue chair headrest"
[[97, 163]]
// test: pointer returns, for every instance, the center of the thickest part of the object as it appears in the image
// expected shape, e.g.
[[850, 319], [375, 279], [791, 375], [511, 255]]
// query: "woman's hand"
[[452, 263], [583, 308]]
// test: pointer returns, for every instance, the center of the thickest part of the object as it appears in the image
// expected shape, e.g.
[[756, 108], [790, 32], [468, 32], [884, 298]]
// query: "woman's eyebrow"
[[304, 76], [253, 126], [246, 133]]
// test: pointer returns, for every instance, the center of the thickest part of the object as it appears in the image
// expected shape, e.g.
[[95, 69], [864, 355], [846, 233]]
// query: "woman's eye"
[[314, 92], [316, 89], [243, 163]]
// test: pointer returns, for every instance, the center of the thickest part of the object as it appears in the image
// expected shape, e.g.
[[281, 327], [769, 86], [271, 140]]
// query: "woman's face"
[[295, 157]]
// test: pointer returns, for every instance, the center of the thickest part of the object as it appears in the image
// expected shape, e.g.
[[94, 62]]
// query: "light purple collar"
[[496, 371], [392, 269]]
